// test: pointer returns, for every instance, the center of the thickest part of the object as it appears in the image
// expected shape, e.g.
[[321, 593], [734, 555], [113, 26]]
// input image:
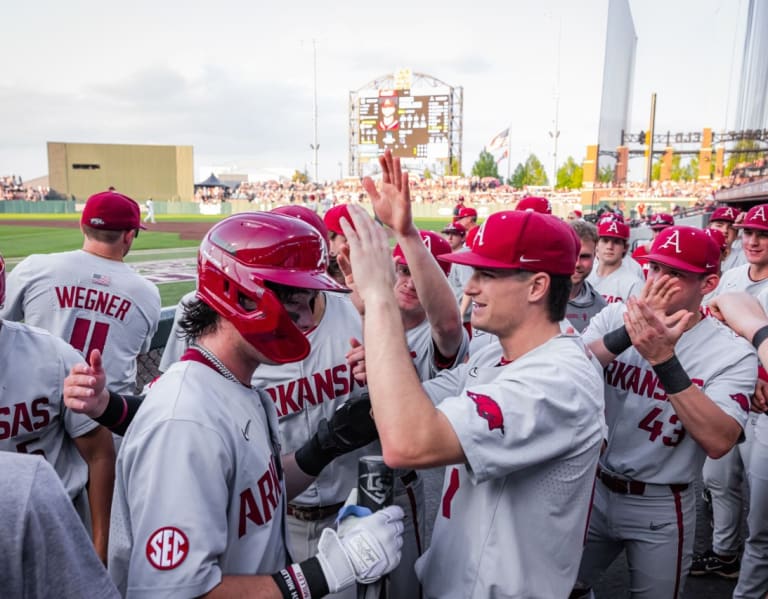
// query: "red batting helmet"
[[2, 280], [303, 213], [435, 244], [242, 253]]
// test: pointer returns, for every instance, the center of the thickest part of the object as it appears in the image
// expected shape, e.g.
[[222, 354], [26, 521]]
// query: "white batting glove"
[[363, 550]]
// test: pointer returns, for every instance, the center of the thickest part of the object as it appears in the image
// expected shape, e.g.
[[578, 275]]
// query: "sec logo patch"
[[167, 548]]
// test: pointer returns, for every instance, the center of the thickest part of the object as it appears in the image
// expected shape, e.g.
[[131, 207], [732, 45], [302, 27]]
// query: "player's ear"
[[538, 288], [709, 283]]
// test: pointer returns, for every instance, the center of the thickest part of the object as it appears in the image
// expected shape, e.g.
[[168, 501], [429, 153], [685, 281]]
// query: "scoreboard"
[[410, 123]]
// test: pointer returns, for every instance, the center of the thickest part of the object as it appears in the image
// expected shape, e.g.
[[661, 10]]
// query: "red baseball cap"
[[726, 214], [435, 244], [456, 228], [522, 240], [536, 204], [612, 228], [111, 211], [717, 237], [471, 234], [303, 213], [610, 217], [757, 218], [332, 218], [687, 249], [578, 213], [466, 211], [661, 220]]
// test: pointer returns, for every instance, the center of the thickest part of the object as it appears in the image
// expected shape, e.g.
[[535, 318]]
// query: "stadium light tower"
[[555, 133], [315, 147]]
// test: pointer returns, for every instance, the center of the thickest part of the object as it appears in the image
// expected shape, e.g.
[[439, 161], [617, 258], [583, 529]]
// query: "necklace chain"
[[223, 370]]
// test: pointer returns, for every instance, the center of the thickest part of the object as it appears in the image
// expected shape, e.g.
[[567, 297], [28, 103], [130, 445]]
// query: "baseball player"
[[612, 278], [584, 301], [337, 242], [723, 219], [677, 387], [455, 234], [44, 547], [467, 218], [657, 223], [33, 364], [218, 498], [518, 427], [746, 315], [90, 297], [723, 478], [307, 391], [535, 204]]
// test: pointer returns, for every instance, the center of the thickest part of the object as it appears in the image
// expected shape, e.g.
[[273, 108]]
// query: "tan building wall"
[[163, 173]]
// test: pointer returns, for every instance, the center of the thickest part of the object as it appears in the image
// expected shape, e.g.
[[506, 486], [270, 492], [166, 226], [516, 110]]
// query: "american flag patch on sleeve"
[[100, 279]]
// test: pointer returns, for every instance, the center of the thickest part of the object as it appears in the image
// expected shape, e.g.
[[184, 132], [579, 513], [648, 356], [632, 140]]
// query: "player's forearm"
[[296, 480], [435, 294], [710, 426], [256, 587], [119, 412], [101, 480], [401, 409]]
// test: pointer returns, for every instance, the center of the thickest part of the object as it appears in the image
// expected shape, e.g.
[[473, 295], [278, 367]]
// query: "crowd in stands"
[[12, 188]]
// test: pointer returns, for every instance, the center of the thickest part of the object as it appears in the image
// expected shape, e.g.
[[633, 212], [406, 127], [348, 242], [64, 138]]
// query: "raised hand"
[[85, 389], [654, 335], [391, 203]]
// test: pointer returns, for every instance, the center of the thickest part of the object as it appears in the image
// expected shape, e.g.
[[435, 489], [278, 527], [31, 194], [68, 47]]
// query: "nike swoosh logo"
[[524, 259], [658, 526], [246, 430]]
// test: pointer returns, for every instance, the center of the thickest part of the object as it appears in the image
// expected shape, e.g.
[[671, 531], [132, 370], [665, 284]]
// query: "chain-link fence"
[[149, 363]]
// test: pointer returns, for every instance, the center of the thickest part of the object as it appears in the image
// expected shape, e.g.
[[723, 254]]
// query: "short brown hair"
[[585, 230]]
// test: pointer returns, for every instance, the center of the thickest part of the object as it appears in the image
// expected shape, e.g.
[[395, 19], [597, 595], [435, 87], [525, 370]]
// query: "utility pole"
[[315, 147], [556, 132]]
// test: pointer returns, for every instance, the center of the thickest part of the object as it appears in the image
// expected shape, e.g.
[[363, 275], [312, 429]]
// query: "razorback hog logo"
[[488, 408], [742, 400], [167, 548]]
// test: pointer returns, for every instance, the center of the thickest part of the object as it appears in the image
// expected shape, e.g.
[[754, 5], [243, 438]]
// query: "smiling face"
[[755, 244], [499, 299], [725, 228], [405, 292], [584, 262]]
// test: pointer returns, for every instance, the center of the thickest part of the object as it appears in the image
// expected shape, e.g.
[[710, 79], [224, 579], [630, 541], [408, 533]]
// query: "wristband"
[[617, 341], [302, 581], [115, 412], [672, 376], [760, 336]]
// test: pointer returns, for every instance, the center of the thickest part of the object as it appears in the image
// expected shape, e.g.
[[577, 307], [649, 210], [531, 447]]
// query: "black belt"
[[312, 513], [630, 487]]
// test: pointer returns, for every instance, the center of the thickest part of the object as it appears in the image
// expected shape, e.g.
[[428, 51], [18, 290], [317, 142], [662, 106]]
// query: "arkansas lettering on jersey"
[[293, 396], [16, 418], [260, 506], [93, 299], [612, 299], [641, 381]]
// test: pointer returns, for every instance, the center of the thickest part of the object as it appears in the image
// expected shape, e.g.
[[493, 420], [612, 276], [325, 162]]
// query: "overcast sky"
[[234, 78]]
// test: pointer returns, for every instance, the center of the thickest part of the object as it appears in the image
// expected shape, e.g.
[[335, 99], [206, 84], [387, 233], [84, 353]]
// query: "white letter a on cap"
[[672, 240], [759, 213], [479, 237]]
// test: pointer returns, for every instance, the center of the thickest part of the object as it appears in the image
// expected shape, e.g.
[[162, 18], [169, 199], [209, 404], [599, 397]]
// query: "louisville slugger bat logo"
[[374, 486], [488, 408]]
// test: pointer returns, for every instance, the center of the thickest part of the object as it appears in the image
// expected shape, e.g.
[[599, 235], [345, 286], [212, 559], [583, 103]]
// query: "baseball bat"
[[375, 490]]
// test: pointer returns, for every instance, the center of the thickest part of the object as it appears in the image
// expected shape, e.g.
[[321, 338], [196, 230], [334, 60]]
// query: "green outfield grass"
[[17, 242], [171, 293]]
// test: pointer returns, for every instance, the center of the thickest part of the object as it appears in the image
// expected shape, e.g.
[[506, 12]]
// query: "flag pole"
[[509, 153]]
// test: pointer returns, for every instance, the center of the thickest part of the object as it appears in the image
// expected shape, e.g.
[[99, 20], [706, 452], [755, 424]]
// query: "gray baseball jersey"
[[90, 302], [738, 279], [422, 350], [176, 345], [531, 431], [646, 440], [199, 490], [33, 418], [44, 549], [618, 286], [306, 392], [736, 256]]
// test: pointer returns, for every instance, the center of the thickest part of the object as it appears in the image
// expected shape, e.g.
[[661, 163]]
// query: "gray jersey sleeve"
[[44, 548]]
